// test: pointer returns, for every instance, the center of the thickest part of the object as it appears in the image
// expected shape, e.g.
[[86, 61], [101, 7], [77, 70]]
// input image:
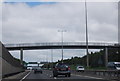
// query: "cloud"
[[0, 21], [25, 24], [44, 20], [61, 0]]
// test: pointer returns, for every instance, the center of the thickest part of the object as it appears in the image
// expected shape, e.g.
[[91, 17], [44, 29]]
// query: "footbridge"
[[58, 45]]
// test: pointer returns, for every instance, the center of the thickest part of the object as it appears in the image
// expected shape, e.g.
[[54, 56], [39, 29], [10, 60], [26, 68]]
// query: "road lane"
[[45, 75], [48, 75]]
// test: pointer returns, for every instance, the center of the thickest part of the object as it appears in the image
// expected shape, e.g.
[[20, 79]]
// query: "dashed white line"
[[25, 76], [87, 76], [55, 78]]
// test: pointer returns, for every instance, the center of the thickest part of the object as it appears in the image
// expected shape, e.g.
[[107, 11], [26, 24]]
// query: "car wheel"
[[41, 72], [55, 75], [69, 75], [65, 75]]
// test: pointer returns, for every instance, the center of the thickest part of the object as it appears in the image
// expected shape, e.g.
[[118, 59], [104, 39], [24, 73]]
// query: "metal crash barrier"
[[105, 74]]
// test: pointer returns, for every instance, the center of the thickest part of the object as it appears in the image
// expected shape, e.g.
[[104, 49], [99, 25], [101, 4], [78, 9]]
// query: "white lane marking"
[[50, 76], [87, 76], [55, 78], [25, 76]]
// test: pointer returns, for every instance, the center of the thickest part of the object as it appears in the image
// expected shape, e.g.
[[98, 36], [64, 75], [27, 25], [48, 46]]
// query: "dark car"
[[61, 69], [37, 70]]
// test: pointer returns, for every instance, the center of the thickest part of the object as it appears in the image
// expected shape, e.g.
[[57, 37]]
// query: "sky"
[[39, 22], [60, 0]]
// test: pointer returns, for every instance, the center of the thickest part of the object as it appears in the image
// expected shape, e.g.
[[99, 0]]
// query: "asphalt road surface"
[[49, 76]]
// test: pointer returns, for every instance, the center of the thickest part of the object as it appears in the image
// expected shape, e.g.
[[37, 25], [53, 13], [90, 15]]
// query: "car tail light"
[[56, 68], [68, 68]]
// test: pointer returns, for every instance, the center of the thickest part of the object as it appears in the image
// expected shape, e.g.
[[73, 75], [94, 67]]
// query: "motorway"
[[47, 75]]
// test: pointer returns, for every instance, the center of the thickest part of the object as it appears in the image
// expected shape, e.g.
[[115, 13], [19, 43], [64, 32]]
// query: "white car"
[[113, 65], [80, 69]]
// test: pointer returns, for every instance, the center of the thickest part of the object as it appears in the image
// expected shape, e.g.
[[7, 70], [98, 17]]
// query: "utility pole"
[[62, 31], [52, 58], [106, 56], [21, 56], [86, 35]]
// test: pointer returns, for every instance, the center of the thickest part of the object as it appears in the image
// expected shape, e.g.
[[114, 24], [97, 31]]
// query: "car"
[[80, 69], [37, 70], [61, 69], [113, 65]]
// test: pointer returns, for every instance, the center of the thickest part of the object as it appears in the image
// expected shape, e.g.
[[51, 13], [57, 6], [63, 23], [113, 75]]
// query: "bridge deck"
[[58, 45]]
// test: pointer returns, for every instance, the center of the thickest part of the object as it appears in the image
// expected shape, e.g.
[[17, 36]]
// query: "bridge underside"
[[58, 47]]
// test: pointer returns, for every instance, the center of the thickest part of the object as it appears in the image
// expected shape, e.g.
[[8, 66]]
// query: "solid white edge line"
[[25, 76], [87, 76]]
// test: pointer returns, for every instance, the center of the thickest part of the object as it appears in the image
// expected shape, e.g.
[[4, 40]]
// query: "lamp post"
[[86, 35], [52, 58], [117, 52], [62, 31]]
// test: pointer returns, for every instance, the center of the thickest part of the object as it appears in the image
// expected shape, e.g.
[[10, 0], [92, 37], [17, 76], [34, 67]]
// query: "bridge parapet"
[[60, 44]]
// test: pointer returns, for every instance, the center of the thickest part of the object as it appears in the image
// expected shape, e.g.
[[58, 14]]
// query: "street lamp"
[[62, 31], [86, 35], [52, 58]]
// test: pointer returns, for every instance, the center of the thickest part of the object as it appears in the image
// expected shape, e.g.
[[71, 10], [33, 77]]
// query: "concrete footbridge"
[[61, 45], [58, 45]]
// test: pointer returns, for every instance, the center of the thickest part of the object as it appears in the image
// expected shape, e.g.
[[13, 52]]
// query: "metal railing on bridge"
[[60, 44]]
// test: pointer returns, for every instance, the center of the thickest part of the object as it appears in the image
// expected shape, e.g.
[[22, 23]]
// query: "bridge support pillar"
[[38, 64], [21, 56], [106, 56]]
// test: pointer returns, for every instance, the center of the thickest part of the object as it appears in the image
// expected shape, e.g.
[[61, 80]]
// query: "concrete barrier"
[[8, 65], [8, 69], [0, 68], [0, 61]]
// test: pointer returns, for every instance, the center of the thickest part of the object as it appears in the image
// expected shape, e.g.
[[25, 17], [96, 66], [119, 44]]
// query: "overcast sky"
[[40, 22]]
